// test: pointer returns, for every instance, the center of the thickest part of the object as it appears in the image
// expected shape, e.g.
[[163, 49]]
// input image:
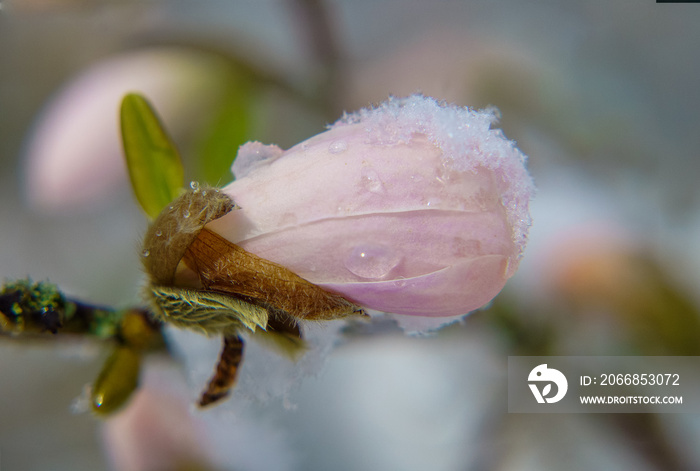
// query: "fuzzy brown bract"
[[201, 281]]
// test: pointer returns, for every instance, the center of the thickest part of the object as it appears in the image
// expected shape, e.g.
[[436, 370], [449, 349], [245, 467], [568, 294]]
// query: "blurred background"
[[602, 96]]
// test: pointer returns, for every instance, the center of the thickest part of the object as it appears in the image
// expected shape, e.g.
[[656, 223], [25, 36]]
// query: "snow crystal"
[[253, 155], [466, 139]]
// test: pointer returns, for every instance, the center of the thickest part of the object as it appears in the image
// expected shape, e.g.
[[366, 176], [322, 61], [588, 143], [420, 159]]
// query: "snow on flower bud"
[[413, 207]]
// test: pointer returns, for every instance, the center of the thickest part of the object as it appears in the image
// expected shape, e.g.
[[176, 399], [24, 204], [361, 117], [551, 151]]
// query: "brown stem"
[[315, 20], [226, 371]]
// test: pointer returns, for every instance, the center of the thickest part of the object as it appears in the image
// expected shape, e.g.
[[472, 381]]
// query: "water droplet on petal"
[[145, 253], [337, 147], [400, 282], [445, 173], [372, 261], [370, 181]]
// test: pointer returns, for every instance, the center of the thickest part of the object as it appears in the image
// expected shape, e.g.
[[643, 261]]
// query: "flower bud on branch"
[[412, 207]]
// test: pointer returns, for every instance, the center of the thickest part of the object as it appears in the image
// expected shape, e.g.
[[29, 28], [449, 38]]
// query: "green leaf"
[[207, 311], [118, 379], [152, 159], [288, 345], [228, 130]]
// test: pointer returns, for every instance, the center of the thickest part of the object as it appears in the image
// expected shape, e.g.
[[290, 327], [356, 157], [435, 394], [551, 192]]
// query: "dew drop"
[[159, 233], [337, 147], [372, 261], [401, 282], [186, 213], [195, 186], [145, 253], [370, 181], [444, 173]]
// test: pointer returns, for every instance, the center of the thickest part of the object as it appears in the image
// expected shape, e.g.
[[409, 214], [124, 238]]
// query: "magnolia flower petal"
[[412, 207], [451, 291]]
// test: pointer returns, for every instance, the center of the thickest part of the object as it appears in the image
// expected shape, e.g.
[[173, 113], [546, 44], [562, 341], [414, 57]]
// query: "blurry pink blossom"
[[413, 207], [74, 155], [156, 430], [160, 430]]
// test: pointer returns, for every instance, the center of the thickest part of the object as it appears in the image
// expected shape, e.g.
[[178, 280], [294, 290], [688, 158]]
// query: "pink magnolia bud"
[[413, 207]]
